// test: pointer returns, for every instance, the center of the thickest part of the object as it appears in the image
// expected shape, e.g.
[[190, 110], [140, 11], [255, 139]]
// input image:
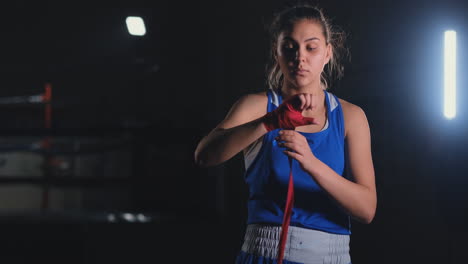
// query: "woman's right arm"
[[240, 128]]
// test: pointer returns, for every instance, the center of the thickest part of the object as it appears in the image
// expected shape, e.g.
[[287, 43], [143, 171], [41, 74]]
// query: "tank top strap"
[[336, 114], [274, 100]]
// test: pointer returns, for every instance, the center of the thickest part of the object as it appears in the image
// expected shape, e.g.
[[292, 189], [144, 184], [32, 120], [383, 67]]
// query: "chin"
[[298, 82], [301, 83]]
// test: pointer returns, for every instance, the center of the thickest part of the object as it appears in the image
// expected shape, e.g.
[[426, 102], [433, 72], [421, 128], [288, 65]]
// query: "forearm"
[[222, 144], [355, 199]]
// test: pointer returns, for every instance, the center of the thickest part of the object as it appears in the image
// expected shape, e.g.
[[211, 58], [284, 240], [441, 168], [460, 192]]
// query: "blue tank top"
[[267, 176]]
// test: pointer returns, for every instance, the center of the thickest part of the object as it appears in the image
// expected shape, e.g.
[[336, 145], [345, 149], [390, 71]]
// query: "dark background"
[[138, 106]]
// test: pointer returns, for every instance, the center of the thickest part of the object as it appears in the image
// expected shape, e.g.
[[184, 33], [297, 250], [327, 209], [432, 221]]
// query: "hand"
[[288, 115], [297, 147]]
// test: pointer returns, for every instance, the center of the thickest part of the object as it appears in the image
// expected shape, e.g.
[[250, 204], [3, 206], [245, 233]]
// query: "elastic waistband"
[[303, 245]]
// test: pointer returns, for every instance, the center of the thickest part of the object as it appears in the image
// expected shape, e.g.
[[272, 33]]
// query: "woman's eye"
[[288, 47], [310, 48]]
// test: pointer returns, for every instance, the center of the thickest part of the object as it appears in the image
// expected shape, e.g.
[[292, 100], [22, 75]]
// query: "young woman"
[[307, 153]]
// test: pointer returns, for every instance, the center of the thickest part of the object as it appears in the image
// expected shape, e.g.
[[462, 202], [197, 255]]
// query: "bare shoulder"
[[350, 108], [354, 116], [254, 99], [247, 108]]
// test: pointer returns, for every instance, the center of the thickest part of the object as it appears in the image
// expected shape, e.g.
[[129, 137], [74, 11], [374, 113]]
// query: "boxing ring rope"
[[46, 143]]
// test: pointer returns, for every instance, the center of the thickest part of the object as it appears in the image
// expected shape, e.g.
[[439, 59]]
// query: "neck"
[[289, 89]]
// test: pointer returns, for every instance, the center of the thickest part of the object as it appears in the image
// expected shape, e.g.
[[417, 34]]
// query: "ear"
[[329, 54]]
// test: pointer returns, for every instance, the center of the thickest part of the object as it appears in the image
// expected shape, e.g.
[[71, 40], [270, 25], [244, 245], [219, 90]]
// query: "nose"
[[300, 55]]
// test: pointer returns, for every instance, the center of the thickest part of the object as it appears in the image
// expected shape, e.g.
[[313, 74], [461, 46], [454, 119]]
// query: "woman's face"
[[302, 52]]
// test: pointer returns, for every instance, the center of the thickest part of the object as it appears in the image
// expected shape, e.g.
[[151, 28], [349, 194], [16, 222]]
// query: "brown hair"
[[284, 20]]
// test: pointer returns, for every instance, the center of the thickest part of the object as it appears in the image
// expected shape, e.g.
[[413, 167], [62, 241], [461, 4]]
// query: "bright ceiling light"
[[136, 26], [450, 76]]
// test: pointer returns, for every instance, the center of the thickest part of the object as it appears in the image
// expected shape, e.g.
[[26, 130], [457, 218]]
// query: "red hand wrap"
[[287, 215], [287, 116]]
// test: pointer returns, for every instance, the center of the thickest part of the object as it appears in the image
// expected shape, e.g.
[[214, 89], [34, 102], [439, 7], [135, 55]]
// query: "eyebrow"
[[309, 39]]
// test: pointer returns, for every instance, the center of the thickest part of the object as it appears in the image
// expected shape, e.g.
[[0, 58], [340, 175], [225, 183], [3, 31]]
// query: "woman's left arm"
[[357, 196]]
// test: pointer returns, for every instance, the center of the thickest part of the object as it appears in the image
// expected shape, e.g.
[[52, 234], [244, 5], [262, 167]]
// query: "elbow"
[[368, 216], [364, 218], [202, 163], [209, 157], [201, 157], [365, 214], [368, 212], [202, 160]]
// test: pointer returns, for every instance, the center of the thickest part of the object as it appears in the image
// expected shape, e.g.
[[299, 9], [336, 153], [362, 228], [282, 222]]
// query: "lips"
[[299, 71]]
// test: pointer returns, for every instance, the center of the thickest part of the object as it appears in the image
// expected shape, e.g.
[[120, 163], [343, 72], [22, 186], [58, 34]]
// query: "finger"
[[293, 155], [289, 145], [285, 139], [287, 132], [290, 133], [296, 147], [303, 100], [308, 100], [291, 136]]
